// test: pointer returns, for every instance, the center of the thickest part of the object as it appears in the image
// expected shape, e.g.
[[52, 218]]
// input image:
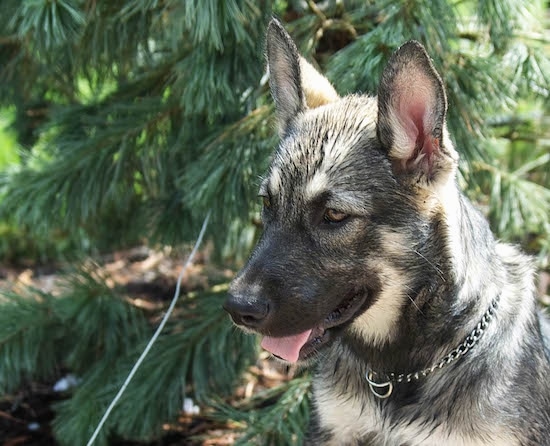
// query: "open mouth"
[[304, 345]]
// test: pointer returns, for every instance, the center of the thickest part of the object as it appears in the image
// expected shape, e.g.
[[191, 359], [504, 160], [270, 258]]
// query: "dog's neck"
[[471, 248], [447, 307], [381, 384]]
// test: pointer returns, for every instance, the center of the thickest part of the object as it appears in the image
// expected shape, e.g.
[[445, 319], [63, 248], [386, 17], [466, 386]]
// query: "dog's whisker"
[[419, 254], [414, 303]]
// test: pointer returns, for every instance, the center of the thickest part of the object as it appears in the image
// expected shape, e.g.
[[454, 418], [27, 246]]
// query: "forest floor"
[[148, 277]]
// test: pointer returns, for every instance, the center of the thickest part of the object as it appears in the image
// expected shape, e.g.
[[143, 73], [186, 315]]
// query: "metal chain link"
[[469, 342]]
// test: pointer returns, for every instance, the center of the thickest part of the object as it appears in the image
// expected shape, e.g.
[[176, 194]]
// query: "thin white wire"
[[155, 336]]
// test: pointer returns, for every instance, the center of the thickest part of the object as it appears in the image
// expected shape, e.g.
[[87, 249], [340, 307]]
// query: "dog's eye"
[[266, 201], [334, 216]]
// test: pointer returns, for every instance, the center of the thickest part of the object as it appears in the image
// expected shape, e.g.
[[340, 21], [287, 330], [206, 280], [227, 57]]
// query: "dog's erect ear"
[[411, 113], [295, 84], [316, 87]]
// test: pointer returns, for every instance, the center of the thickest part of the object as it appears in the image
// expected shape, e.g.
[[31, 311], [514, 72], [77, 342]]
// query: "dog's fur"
[[365, 225]]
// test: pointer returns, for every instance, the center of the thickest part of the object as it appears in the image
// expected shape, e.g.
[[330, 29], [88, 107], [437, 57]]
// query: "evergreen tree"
[[135, 118]]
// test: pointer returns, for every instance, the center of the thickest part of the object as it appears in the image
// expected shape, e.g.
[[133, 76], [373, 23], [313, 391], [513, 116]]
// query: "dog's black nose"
[[248, 312]]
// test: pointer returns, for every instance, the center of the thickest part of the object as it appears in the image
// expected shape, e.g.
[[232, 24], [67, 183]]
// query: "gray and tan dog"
[[373, 266]]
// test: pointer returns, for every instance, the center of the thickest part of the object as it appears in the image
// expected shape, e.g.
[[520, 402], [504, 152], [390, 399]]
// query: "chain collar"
[[381, 385]]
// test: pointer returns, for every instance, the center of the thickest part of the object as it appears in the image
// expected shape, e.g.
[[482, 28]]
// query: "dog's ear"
[[411, 114], [316, 87], [295, 84]]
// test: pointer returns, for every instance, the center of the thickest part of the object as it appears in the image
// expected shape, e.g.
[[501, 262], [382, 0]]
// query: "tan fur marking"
[[317, 89], [317, 185], [275, 181], [378, 323]]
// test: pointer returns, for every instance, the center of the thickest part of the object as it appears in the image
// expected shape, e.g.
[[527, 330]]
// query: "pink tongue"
[[288, 347]]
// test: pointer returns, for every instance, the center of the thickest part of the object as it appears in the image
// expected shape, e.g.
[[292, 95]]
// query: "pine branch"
[[282, 422], [529, 65], [97, 334], [517, 205], [222, 174], [101, 325], [101, 140], [51, 24], [199, 354], [502, 18], [40, 332], [29, 338], [204, 19], [213, 83]]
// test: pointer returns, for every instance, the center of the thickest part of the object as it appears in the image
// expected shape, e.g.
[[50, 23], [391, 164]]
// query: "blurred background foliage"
[[124, 123]]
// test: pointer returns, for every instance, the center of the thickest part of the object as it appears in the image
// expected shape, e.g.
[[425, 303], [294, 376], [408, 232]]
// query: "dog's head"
[[351, 202]]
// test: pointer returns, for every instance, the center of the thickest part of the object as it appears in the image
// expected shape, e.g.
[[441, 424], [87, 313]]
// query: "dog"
[[374, 269]]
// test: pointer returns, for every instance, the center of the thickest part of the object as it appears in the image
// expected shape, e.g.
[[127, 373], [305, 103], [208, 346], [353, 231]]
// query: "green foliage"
[[91, 329], [40, 332], [135, 118], [118, 326], [522, 170], [25, 352], [160, 97], [200, 347], [52, 23], [273, 417], [19, 245], [154, 112], [226, 171]]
